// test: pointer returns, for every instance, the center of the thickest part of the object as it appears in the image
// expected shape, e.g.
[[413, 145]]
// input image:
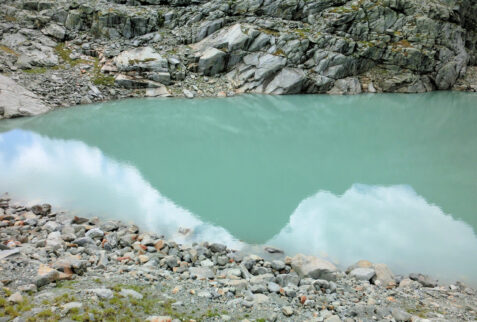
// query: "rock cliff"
[[215, 47]]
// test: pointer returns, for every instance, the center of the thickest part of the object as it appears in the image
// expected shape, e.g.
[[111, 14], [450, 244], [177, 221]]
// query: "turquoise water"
[[388, 178]]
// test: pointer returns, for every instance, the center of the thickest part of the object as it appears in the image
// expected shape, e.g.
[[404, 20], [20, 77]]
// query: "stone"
[[287, 310], [56, 31], [102, 293], [359, 264], [9, 252], [425, 280], [333, 318], [267, 65], [108, 226], [132, 293], [362, 274], [94, 233], [71, 306], [141, 59], [384, 276], [46, 275], [314, 267], [188, 93], [273, 287], [201, 273], [172, 261], [278, 265], [260, 298], [16, 100], [208, 27], [218, 248], [207, 263], [400, 315], [211, 62], [232, 38], [287, 81], [15, 298], [143, 259], [346, 86]]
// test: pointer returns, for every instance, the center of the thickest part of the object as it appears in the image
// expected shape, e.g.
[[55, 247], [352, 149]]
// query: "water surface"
[[389, 178]]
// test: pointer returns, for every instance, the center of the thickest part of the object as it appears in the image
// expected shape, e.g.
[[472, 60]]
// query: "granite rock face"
[[16, 101], [212, 48]]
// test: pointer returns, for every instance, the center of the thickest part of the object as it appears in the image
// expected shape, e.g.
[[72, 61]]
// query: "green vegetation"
[[100, 78], [64, 53]]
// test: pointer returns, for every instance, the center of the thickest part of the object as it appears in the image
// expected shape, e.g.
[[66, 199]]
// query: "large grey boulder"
[[384, 277], [287, 81], [212, 61], [141, 59], [346, 86], [16, 100], [55, 31], [314, 267], [266, 65], [236, 37]]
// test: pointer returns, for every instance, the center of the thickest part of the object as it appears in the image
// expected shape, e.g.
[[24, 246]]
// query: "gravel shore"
[[56, 266]]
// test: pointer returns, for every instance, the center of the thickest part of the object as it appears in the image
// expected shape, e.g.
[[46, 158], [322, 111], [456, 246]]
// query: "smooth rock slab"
[[16, 100]]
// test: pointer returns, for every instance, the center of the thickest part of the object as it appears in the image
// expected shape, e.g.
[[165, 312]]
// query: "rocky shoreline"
[[57, 266], [65, 53]]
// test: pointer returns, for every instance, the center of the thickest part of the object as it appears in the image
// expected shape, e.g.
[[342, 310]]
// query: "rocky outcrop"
[[16, 101], [209, 48]]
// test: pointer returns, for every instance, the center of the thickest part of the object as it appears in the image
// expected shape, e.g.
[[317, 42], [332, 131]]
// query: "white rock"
[[15, 100]]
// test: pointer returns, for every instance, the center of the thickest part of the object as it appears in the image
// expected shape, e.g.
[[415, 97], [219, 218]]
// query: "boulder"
[[384, 277], [314, 267], [287, 81], [346, 86], [236, 37], [141, 59], [54, 30], [15, 100], [201, 273], [211, 61], [362, 273]]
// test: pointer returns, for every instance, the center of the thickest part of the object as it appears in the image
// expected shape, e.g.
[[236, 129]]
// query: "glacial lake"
[[389, 178]]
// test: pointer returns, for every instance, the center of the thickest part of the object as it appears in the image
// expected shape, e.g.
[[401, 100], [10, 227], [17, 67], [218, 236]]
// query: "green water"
[[246, 164]]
